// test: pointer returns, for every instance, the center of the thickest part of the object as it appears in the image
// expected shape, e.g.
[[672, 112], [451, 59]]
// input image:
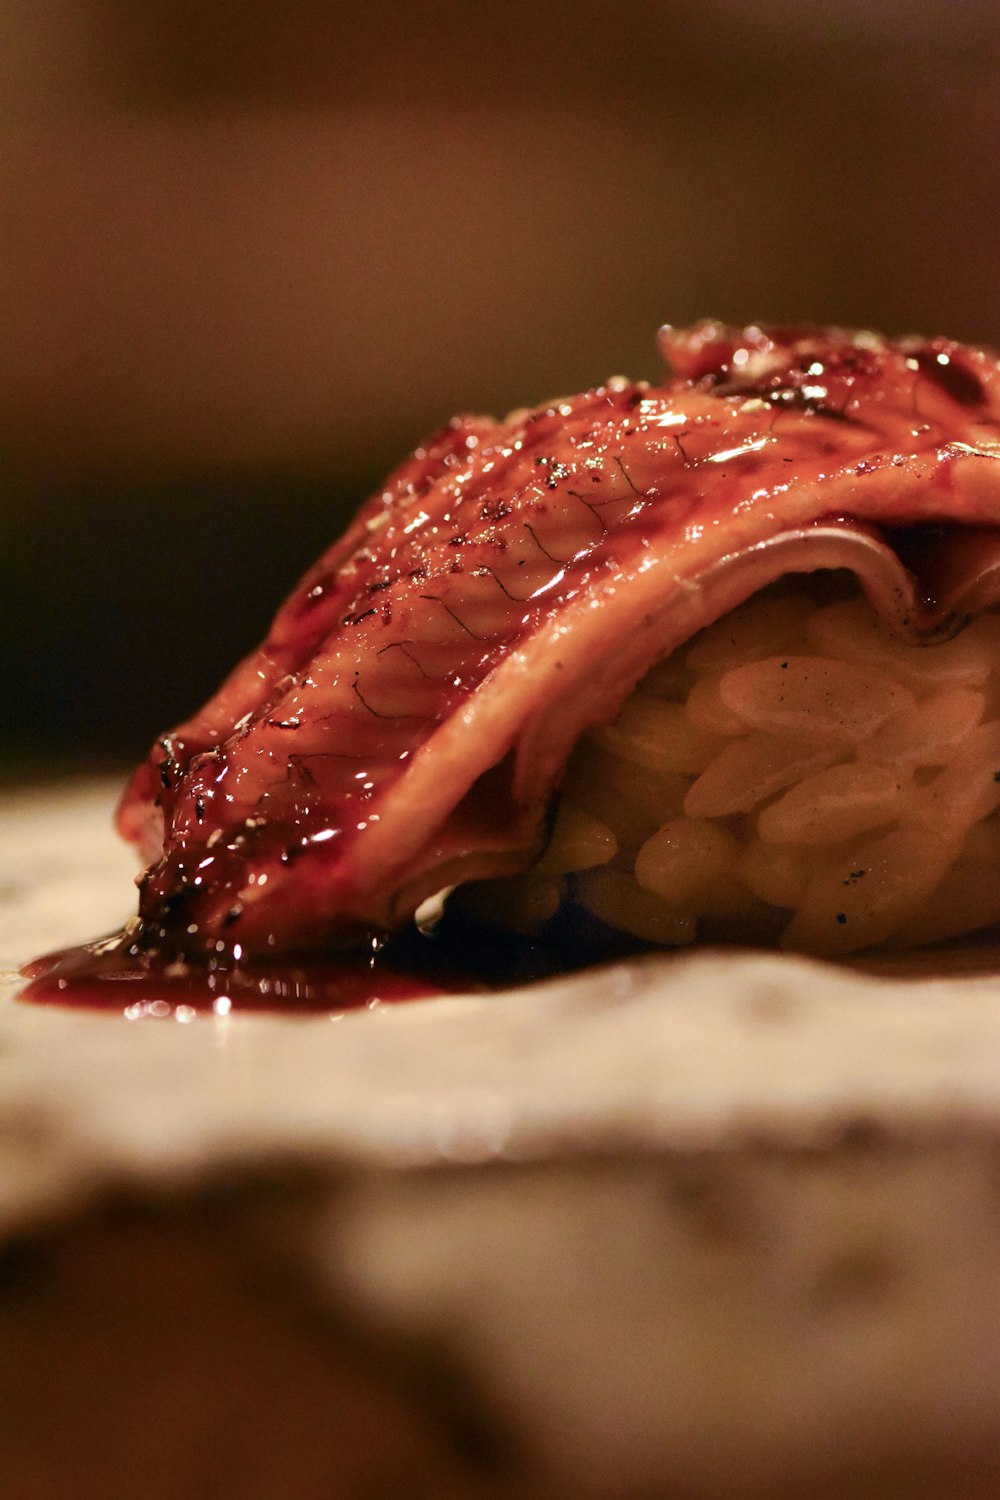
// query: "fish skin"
[[405, 722]]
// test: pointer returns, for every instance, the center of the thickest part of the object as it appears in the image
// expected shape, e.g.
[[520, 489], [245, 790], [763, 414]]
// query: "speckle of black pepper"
[[784, 665], [853, 876], [996, 775], [556, 470], [495, 510], [199, 807], [842, 918]]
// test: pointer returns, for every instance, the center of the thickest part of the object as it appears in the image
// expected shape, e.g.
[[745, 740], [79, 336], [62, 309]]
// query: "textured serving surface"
[[655, 1228], [671, 1053]]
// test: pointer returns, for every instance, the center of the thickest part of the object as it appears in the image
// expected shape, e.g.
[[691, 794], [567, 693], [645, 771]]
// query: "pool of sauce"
[[106, 975], [118, 974]]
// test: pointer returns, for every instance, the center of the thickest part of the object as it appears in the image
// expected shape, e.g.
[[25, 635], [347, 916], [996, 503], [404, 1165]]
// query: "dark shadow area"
[[124, 603]]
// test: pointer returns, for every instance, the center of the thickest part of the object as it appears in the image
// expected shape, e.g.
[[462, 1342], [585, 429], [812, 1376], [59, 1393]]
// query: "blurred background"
[[252, 253]]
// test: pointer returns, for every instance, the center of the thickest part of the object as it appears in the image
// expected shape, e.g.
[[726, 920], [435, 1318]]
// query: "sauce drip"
[[107, 975], [117, 974]]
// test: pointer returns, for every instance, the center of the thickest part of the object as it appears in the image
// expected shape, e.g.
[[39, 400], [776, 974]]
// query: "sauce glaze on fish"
[[404, 725]]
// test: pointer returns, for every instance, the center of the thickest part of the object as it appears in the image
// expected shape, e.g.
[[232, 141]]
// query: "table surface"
[[696, 1049], [598, 1095]]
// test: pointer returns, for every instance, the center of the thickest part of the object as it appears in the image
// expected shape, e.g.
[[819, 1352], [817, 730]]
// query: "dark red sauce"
[[107, 975], [118, 974]]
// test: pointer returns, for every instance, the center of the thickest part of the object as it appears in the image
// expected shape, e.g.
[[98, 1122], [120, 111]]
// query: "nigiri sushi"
[[711, 659]]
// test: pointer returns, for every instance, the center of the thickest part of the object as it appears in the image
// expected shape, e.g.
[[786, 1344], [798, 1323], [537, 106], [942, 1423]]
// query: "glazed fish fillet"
[[531, 608]]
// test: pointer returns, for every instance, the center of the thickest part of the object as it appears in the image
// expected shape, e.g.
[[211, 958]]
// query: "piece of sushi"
[[715, 659]]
